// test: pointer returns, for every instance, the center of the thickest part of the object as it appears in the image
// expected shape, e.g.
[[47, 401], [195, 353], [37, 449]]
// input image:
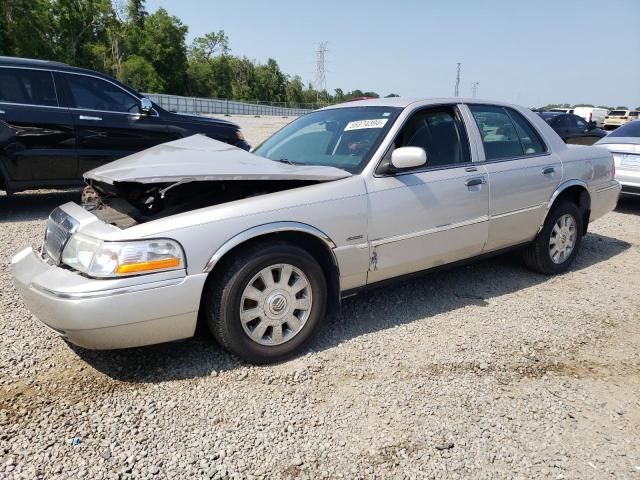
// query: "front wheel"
[[267, 303], [556, 246]]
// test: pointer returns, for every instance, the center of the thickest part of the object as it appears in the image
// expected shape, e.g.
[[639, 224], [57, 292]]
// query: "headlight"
[[117, 259]]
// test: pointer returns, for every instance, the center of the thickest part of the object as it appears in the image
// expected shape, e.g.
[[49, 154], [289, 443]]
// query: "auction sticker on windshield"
[[360, 124]]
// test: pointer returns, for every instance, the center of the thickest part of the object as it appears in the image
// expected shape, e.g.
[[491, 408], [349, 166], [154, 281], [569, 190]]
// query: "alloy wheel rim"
[[563, 239], [276, 304]]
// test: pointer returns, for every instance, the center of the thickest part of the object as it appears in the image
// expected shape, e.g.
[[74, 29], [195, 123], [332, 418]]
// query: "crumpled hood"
[[200, 158]]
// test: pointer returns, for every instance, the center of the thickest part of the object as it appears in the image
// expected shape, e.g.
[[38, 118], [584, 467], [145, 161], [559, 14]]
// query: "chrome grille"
[[60, 227]]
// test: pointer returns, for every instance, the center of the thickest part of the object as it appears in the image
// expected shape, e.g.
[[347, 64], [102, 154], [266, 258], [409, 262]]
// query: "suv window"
[[581, 123], [31, 87], [93, 93], [505, 133], [440, 133]]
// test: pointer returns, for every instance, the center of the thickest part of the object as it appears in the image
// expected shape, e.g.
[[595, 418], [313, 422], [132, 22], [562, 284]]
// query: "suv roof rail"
[[30, 60]]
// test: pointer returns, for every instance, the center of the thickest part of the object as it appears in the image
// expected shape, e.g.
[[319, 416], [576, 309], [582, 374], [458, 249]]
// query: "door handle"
[[471, 169], [474, 181], [93, 119], [548, 171]]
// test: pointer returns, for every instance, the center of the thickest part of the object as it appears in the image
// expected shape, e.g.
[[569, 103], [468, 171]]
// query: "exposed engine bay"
[[125, 204]]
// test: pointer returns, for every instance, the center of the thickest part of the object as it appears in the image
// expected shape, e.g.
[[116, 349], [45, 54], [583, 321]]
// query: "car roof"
[[35, 63], [403, 102]]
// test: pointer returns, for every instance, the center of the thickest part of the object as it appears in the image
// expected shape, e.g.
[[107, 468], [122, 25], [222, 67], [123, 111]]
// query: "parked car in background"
[[261, 245], [592, 114], [573, 129], [57, 122], [624, 143], [560, 110], [616, 118]]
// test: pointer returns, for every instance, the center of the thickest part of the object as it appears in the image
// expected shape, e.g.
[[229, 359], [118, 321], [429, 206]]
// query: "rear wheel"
[[267, 303], [557, 245]]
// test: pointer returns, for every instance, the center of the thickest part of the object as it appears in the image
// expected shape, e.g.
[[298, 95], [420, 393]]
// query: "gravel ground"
[[484, 371]]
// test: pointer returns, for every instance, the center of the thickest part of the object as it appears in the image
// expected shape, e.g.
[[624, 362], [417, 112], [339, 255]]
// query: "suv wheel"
[[267, 303], [557, 245]]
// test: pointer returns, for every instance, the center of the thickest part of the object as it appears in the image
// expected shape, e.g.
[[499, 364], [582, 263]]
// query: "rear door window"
[[29, 87], [505, 133]]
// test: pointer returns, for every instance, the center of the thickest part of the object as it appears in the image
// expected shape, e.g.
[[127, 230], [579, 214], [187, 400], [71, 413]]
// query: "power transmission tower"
[[474, 87], [321, 79], [456, 91]]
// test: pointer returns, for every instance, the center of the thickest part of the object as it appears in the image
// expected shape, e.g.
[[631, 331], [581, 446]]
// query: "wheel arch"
[[575, 191], [308, 237]]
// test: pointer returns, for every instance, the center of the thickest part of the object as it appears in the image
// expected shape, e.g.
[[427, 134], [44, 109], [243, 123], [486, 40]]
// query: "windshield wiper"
[[287, 161]]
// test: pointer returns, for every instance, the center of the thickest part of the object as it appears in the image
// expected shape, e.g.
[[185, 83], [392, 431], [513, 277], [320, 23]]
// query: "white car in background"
[[624, 143], [592, 114]]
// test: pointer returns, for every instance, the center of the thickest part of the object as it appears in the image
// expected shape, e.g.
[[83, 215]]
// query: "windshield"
[[617, 113], [631, 129], [342, 137]]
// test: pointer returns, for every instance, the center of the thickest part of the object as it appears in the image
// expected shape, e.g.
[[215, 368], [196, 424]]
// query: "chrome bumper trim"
[[108, 293]]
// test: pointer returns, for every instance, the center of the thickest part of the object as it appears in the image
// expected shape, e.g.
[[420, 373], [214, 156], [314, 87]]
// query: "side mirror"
[[408, 157], [145, 105], [591, 125]]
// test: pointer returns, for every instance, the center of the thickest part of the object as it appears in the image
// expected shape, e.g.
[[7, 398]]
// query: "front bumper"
[[106, 314]]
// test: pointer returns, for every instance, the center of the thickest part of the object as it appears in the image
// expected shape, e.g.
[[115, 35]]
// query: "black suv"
[[57, 122]]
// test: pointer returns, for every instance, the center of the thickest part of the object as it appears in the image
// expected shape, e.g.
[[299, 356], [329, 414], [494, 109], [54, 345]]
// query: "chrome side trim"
[[616, 184], [108, 293], [264, 230], [441, 228], [515, 212]]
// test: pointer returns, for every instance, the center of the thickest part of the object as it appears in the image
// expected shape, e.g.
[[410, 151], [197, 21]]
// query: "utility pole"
[[474, 87], [321, 79], [456, 91]]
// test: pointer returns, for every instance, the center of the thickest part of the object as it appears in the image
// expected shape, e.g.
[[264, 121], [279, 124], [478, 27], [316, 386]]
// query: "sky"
[[527, 52]]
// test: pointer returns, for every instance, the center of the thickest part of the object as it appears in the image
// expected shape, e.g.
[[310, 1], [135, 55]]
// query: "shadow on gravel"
[[378, 309], [29, 206], [628, 204]]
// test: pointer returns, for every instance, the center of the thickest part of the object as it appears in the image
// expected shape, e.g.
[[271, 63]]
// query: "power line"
[[321, 79], [456, 91], [474, 87]]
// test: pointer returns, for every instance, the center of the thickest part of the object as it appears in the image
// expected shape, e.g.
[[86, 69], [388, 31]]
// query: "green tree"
[[392, 95], [163, 46], [210, 45], [622, 108], [79, 26], [270, 82], [140, 74], [25, 29], [339, 95], [294, 91]]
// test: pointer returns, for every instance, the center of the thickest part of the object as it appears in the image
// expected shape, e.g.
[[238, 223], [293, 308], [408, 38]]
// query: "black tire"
[[537, 256], [223, 296]]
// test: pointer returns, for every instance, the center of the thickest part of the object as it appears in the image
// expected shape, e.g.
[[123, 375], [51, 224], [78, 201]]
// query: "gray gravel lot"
[[483, 371]]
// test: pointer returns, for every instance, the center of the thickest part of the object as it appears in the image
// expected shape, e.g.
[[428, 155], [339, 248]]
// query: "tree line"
[[567, 105], [148, 51]]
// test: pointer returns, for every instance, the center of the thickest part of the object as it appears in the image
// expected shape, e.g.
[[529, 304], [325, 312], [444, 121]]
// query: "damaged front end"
[[125, 204], [188, 174]]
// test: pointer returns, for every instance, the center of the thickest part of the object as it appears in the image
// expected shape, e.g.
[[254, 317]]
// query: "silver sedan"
[[260, 246]]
